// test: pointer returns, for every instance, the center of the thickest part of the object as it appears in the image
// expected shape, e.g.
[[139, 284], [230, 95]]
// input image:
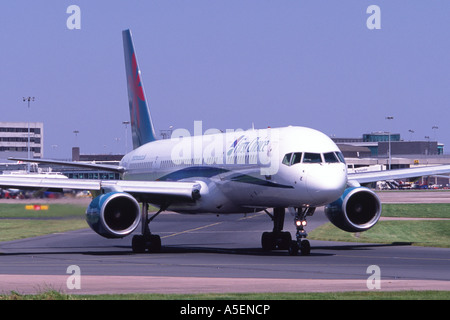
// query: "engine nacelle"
[[113, 215], [358, 209]]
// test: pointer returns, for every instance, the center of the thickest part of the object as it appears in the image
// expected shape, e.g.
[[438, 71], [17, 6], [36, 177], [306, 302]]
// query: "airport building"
[[377, 144], [14, 140], [371, 152]]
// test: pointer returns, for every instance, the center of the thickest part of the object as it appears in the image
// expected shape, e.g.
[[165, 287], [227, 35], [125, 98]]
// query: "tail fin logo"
[[138, 92], [137, 80]]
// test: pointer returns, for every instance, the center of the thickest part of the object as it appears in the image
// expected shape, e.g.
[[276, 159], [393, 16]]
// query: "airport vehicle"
[[293, 169]]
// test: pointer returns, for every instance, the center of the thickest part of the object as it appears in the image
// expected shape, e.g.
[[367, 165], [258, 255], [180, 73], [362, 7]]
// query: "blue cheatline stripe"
[[209, 172], [193, 172], [252, 180]]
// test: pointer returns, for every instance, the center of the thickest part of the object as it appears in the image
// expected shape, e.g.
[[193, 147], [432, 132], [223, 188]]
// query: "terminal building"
[[381, 150], [14, 140], [378, 145]]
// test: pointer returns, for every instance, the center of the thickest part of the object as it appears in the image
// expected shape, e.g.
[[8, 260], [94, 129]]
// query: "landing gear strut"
[[146, 240], [282, 240]]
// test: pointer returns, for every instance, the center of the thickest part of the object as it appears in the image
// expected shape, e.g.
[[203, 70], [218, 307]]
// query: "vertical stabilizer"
[[141, 122]]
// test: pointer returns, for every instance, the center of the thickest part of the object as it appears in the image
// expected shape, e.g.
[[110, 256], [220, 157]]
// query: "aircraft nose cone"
[[326, 183]]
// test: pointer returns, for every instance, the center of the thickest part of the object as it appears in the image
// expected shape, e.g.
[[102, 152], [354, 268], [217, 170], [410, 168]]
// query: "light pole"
[[434, 128], [76, 132], [166, 134], [28, 100], [411, 131], [389, 135], [126, 123]]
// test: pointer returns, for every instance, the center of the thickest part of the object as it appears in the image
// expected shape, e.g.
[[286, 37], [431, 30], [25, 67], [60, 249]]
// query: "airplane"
[[290, 169]]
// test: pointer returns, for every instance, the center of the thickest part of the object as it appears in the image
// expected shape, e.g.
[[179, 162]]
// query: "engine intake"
[[113, 215], [358, 209]]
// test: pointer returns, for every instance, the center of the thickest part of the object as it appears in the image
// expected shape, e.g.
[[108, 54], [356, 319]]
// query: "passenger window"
[[312, 158], [297, 158], [330, 157], [287, 159]]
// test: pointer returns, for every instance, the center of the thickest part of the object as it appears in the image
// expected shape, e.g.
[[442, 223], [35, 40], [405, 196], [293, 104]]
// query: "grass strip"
[[13, 229], [417, 210], [351, 295], [419, 233]]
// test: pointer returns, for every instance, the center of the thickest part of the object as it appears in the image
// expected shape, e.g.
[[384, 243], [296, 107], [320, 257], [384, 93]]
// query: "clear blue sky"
[[228, 63]]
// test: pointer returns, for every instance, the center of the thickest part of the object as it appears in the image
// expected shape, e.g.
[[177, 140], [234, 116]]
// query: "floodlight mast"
[[28, 100]]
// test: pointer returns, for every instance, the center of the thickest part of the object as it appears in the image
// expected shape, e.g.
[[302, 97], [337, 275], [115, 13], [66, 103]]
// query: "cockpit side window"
[[340, 156], [330, 157], [312, 158], [287, 159]]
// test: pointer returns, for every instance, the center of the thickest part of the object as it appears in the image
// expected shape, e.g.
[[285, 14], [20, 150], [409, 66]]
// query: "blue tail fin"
[[141, 122]]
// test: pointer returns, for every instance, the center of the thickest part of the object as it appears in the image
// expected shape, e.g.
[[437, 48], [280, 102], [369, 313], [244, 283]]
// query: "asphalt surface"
[[209, 253]]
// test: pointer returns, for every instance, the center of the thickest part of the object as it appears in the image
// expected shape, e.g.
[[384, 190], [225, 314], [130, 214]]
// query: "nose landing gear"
[[300, 222], [282, 240]]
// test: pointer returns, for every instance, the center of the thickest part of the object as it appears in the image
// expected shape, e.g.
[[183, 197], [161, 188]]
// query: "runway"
[[208, 253]]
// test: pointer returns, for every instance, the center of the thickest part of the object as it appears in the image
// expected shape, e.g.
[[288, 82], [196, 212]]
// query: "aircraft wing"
[[88, 165], [152, 191], [367, 177]]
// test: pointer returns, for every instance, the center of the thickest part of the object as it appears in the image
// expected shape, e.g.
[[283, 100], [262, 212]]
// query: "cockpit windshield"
[[293, 158], [330, 157], [312, 158]]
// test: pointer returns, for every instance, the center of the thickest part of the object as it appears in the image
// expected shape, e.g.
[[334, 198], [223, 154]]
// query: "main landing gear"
[[146, 240], [282, 240]]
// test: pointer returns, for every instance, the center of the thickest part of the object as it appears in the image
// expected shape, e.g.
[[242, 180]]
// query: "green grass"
[[18, 223], [417, 210], [19, 229], [351, 295], [419, 232]]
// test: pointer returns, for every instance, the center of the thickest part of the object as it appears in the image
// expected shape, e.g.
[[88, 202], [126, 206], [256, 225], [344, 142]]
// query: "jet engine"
[[358, 209], [113, 215]]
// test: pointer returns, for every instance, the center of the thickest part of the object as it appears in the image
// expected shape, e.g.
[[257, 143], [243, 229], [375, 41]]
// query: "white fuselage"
[[245, 170]]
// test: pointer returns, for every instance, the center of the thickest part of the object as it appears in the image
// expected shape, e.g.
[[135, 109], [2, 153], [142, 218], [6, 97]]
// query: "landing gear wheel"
[[154, 244], [293, 248], [305, 248], [140, 243], [275, 240], [284, 240], [147, 240], [267, 241]]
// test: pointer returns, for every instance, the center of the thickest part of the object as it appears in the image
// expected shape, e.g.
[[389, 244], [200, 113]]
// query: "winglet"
[[141, 122]]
